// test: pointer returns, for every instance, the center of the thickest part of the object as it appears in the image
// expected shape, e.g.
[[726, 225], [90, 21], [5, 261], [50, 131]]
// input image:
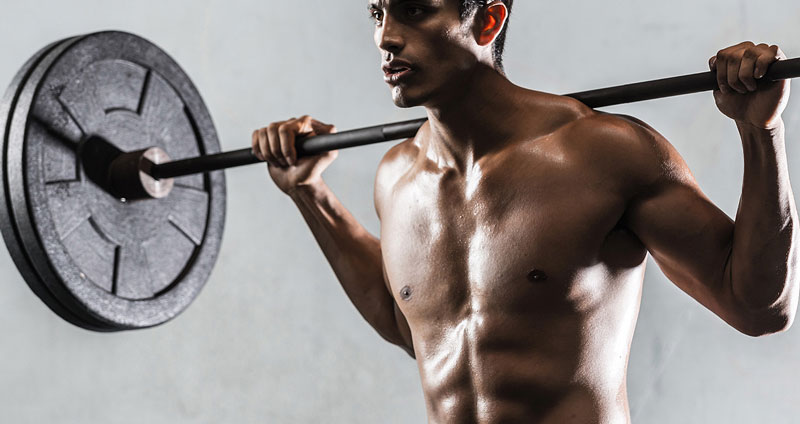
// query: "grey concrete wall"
[[272, 338]]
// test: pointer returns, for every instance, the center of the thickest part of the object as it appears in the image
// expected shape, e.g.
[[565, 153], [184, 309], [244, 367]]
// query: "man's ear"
[[490, 21]]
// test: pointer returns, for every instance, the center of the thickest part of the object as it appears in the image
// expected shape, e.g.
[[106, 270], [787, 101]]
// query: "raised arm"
[[353, 253], [744, 271]]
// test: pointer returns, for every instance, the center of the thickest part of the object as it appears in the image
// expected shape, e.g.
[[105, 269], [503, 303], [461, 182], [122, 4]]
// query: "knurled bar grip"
[[629, 93]]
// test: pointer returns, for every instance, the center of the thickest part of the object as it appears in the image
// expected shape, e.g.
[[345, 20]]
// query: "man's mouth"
[[395, 73]]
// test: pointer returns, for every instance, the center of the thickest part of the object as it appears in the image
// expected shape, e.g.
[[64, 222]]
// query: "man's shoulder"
[[545, 115], [625, 147], [396, 163], [573, 127], [613, 129], [398, 160]]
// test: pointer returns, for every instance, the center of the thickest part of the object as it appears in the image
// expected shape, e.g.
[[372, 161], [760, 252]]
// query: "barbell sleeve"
[[622, 94]]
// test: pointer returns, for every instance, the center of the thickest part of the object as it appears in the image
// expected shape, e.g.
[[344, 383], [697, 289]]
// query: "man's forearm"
[[762, 268], [354, 255]]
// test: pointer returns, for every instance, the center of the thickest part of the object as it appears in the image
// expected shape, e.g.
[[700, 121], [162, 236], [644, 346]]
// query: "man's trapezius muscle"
[[515, 225]]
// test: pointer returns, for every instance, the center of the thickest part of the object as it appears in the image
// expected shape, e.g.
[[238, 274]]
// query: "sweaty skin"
[[515, 225], [524, 283]]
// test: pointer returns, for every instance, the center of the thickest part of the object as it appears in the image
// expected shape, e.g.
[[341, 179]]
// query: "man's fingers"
[[762, 65], [769, 55], [747, 70], [733, 76], [722, 73], [305, 128], [309, 127], [287, 132], [319, 127], [779, 53], [255, 148], [274, 145], [263, 145]]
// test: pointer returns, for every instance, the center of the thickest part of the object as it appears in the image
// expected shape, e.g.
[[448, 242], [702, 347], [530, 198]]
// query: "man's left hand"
[[742, 95]]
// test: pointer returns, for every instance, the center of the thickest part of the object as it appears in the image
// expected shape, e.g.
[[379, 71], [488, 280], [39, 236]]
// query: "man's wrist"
[[762, 146], [774, 130], [312, 189]]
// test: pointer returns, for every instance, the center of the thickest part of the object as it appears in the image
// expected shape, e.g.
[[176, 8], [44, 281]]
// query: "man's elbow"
[[395, 337], [777, 317], [410, 351], [770, 323], [402, 345], [400, 342]]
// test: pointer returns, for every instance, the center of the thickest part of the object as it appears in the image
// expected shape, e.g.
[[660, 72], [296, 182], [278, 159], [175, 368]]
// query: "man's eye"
[[376, 15]]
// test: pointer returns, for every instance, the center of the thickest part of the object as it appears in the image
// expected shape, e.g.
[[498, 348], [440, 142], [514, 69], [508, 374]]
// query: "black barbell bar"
[[629, 93]]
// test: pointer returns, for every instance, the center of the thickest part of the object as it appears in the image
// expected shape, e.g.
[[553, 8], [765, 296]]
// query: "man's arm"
[[353, 253], [744, 271]]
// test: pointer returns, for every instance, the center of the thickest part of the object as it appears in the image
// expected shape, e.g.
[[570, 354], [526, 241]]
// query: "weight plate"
[[7, 226], [116, 264]]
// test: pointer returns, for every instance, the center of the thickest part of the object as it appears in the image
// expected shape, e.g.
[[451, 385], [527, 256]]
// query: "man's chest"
[[499, 238]]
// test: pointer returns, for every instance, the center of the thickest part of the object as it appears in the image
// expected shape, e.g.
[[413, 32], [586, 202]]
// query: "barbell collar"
[[129, 175]]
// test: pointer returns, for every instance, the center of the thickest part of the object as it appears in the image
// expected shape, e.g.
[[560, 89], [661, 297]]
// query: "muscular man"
[[515, 225]]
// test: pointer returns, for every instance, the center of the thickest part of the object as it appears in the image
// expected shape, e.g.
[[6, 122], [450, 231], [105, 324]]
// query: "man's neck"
[[473, 121]]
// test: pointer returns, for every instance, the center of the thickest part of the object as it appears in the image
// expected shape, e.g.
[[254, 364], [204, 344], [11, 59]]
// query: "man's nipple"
[[405, 293]]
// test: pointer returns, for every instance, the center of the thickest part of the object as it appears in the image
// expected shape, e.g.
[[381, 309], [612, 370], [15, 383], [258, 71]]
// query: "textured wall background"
[[273, 338]]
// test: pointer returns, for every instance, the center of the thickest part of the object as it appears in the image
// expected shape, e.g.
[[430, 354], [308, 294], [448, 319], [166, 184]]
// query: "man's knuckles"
[[738, 66]]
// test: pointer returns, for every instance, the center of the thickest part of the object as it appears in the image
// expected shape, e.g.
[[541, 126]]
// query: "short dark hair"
[[467, 7]]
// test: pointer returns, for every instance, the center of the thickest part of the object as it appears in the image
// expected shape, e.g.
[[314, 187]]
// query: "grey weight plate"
[[7, 223], [122, 264]]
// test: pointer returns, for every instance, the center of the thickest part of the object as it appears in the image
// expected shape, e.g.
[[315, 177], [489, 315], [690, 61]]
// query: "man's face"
[[426, 48]]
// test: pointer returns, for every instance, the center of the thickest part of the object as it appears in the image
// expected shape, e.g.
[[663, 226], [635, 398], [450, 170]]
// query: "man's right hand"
[[275, 145]]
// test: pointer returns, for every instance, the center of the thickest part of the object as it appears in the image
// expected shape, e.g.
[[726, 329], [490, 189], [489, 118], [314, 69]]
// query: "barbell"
[[113, 198]]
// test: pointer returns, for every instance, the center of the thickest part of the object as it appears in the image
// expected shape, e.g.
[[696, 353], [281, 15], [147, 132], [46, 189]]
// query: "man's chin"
[[404, 99]]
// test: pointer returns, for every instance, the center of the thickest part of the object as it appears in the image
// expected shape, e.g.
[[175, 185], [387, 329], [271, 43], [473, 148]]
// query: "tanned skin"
[[515, 225]]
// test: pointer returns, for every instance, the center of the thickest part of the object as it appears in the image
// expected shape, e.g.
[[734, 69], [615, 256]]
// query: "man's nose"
[[389, 37]]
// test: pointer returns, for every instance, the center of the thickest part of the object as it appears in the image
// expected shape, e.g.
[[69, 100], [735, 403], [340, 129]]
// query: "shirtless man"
[[515, 224]]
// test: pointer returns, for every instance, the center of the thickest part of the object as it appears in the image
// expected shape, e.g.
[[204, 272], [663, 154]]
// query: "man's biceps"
[[685, 232], [677, 209]]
